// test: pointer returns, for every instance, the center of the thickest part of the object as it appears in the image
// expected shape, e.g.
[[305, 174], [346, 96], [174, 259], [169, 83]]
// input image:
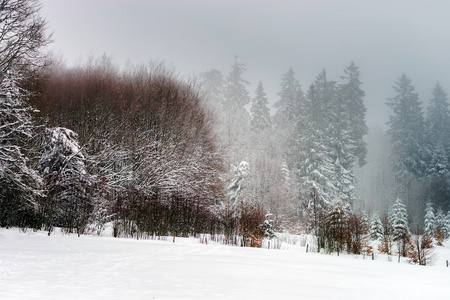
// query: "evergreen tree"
[[291, 97], [398, 217], [235, 90], [447, 225], [376, 227], [440, 222], [213, 85], [236, 98], [406, 128], [260, 112], [438, 117], [311, 154], [409, 154], [355, 111], [429, 219], [438, 143], [20, 183]]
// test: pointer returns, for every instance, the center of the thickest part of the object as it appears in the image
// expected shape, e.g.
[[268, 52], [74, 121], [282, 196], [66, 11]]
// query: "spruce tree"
[[438, 146], [429, 219], [409, 154], [376, 227], [212, 83], [406, 128], [398, 217], [289, 105], [438, 117], [440, 222], [260, 121], [354, 108], [311, 154], [236, 93], [236, 98]]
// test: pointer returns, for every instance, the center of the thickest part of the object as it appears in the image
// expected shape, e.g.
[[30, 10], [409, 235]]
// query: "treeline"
[[152, 154], [312, 143]]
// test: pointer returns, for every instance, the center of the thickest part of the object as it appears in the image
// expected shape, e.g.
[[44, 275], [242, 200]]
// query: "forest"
[[152, 153]]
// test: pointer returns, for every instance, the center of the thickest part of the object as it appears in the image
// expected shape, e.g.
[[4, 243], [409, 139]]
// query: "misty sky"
[[384, 38]]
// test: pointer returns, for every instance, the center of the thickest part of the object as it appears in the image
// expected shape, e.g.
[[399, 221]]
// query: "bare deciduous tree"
[[22, 34]]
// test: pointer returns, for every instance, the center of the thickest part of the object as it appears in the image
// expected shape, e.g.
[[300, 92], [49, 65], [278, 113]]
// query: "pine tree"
[[438, 143], [235, 90], [406, 128], [376, 227], [440, 221], [20, 183], [237, 116], [291, 97], [259, 111], [447, 225], [398, 217], [409, 154], [438, 117], [311, 155], [429, 219], [353, 102]]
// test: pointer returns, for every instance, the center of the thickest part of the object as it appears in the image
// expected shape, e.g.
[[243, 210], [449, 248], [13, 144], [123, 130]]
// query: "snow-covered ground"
[[35, 266]]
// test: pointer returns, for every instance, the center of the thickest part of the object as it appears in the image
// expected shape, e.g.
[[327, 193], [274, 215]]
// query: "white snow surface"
[[36, 266]]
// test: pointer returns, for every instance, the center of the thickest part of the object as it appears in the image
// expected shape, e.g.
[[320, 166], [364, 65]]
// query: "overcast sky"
[[384, 38]]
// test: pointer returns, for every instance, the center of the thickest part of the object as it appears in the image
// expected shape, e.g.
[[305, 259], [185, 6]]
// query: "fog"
[[383, 38]]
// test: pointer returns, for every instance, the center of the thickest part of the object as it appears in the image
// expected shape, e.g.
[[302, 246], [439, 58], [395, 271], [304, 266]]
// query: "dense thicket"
[[148, 140]]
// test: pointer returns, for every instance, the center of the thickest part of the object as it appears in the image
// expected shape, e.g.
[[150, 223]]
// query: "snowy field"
[[35, 266]]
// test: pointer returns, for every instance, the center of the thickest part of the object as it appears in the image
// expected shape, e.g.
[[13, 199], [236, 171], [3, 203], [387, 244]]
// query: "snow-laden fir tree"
[[438, 117], [20, 183], [429, 219], [376, 227], [311, 154], [70, 188], [235, 89], [212, 83], [406, 128], [440, 222], [438, 165], [289, 105], [236, 98], [347, 131], [398, 217], [409, 154], [259, 110], [355, 110], [447, 225], [438, 143]]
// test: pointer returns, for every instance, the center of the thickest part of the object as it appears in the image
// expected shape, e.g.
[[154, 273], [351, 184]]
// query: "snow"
[[36, 266]]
